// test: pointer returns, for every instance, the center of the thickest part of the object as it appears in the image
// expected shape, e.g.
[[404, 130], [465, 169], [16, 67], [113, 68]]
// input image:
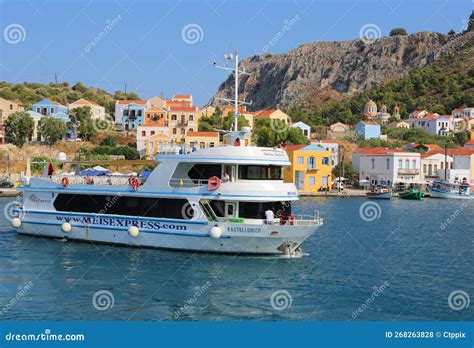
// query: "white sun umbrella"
[[363, 181], [116, 174], [132, 174], [340, 178], [99, 168]]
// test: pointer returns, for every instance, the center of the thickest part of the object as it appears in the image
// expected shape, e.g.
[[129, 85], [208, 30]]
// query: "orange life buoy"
[[134, 182], [291, 219], [65, 181]]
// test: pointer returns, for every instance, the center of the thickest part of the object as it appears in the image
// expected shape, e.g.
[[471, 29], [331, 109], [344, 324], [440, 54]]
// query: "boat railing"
[[178, 182], [113, 180], [308, 220]]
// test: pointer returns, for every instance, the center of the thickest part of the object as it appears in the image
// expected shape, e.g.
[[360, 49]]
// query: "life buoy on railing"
[[284, 218], [291, 219], [213, 183], [65, 182], [134, 182]]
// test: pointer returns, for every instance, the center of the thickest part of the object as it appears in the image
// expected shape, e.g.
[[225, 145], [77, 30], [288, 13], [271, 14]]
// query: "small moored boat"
[[379, 192], [442, 189], [412, 193]]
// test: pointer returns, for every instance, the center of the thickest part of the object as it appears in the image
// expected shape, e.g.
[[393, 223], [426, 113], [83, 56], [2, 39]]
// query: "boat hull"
[[443, 194], [187, 236], [385, 195], [418, 195]]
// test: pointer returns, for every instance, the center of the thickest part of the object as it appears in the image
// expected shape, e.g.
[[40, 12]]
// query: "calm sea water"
[[404, 253]]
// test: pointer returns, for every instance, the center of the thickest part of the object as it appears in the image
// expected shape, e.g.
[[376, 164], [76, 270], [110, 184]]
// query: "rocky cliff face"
[[342, 67]]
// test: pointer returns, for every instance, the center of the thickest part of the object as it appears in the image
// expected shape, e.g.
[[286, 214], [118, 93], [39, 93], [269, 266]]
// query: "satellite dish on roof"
[[61, 157]]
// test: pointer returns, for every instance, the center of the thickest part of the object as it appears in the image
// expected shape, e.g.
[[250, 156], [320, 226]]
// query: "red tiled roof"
[[453, 152], [182, 96], [84, 101], [266, 112], [369, 123], [294, 147], [132, 101], [202, 134], [457, 109], [376, 150], [470, 142], [54, 102], [183, 108]]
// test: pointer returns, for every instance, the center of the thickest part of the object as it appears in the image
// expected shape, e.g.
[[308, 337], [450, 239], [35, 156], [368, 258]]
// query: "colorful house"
[[154, 143], [97, 111], [368, 130], [130, 113], [304, 128], [310, 169], [202, 140], [48, 107]]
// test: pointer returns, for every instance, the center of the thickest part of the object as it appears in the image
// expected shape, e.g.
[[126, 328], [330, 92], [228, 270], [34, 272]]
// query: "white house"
[[432, 163], [330, 145], [305, 129], [457, 112], [418, 114], [398, 124], [146, 131], [98, 111], [435, 125], [468, 112], [389, 167]]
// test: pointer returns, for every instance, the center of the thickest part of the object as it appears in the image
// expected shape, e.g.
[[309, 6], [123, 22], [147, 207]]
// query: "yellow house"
[[202, 140], [272, 114], [183, 119], [153, 143], [311, 168]]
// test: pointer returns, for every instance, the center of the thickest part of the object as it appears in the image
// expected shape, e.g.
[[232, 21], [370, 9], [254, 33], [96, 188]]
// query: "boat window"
[[258, 172], [256, 210], [134, 206], [204, 171], [218, 207]]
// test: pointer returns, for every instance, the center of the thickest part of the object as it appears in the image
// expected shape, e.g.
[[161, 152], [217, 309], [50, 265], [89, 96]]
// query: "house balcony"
[[182, 124], [402, 171]]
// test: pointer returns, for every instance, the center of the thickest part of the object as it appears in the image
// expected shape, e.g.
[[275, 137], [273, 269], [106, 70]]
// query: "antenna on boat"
[[236, 102]]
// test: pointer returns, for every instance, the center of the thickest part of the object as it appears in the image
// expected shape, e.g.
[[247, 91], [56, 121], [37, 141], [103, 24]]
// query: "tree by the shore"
[[19, 128]]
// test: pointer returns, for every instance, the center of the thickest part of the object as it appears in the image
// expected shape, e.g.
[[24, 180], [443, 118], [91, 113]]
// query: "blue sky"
[[144, 44]]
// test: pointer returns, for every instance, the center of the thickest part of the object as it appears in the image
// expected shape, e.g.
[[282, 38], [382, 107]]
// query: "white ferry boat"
[[442, 189], [226, 199], [184, 204]]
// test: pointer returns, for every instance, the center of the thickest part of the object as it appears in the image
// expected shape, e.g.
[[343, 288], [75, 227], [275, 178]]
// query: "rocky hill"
[[330, 69]]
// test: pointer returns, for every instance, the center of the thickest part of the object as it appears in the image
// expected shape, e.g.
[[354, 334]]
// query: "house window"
[[152, 133], [311, 163], [407, 164], [143, 133], [51, 110], [139, 113], [191, 117], [424, 168], [183, 131], [174, 117], [11, 106], [38, 110], [174, 130], [211, 144], [300, 160], [413, 162], [190, 130], [325, 161], [202, 145], [152, 145], [400, 164], [311, 180], [442, 165], [388, 163], [435, 168], [373, 163]]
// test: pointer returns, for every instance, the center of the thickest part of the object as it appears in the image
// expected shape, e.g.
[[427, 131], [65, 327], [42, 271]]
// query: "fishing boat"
[[442, 189], [379, 192], [412, 193], [223, 199]]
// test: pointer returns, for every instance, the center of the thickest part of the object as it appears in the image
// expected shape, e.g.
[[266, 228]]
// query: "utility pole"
[[236, 102], [125, 88], [56, 78]]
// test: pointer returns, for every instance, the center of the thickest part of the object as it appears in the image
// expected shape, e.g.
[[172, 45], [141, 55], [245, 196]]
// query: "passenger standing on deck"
[[225, 177], [270, 216]]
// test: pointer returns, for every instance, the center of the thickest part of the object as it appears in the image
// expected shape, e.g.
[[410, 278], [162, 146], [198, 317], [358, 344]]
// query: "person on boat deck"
[[225, 177], [237, 142], [269, 216], [89, 180]]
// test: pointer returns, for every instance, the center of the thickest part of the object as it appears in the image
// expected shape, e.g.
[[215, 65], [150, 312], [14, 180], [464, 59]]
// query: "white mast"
[[236, 102]]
